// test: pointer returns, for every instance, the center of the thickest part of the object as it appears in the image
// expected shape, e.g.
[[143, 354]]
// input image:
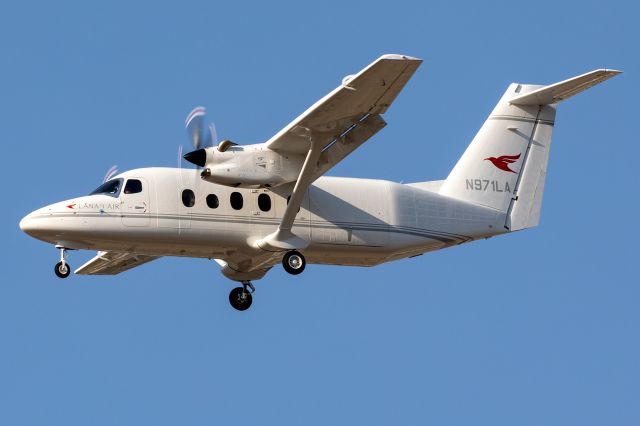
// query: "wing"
[[333, 128], [370, 92], [111, 263]]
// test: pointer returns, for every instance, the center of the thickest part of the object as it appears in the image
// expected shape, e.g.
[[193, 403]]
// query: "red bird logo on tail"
[[503, 161]]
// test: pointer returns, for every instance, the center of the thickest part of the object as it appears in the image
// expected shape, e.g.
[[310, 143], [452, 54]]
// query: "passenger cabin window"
[[133, 186], [188, 198], [264, 202], [111, 187], [236, 200], [289, 198], [212, 201]]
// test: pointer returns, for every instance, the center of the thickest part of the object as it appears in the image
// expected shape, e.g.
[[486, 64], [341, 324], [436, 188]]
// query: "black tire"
[[293, 262], [240, 299], [62, 270]]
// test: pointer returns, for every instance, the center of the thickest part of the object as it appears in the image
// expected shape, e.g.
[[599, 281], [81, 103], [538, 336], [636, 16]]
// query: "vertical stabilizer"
[[505, 166], [489, 172]]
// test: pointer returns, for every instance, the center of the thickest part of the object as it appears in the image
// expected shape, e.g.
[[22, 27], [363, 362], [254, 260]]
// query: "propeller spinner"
[[201, 136], [197, 157]]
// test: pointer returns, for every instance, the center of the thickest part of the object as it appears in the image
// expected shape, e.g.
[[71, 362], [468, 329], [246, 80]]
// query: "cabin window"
[[133, 186], [111, 187], [212, 201], [188, 198], [236, 200], [289, 198], [264, 202]]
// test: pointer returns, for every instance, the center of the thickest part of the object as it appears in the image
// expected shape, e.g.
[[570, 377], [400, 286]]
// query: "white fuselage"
[[347, 221]]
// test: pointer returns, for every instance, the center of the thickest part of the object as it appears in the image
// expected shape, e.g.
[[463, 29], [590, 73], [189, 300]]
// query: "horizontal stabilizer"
[[558, 92]]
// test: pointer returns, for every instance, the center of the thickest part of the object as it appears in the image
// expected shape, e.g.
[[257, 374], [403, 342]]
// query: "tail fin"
[[505, 165]]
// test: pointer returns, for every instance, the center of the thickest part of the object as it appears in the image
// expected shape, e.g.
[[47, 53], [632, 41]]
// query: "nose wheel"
[[62, 268], [293, 262], [240, 297]]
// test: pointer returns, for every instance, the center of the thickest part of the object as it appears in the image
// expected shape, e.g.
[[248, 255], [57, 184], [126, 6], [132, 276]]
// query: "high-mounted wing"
[[370, 92], [111, 263], [333, 127]]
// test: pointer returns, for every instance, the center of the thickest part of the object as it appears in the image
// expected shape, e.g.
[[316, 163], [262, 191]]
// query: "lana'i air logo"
[[503, 161]]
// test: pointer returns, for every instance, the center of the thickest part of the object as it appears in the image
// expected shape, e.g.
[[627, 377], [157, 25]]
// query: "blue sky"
[[538, 327]]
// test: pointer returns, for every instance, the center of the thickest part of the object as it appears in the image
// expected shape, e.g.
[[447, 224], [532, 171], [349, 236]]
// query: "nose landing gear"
[[240, 297], [62, 268]]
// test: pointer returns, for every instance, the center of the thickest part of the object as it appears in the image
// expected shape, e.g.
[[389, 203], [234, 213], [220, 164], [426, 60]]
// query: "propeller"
[[110, 173], [199, 133], [201, 136]]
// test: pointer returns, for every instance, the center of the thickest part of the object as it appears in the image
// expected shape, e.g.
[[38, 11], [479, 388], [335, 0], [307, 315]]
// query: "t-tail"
[[505, 165]]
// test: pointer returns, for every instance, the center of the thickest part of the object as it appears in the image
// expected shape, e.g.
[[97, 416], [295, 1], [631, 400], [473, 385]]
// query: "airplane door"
[[187, 203], [265, 206], [135, 203], [262, 204]]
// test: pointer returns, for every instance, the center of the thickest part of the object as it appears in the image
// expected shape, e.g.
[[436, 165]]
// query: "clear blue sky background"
[[535, 328]]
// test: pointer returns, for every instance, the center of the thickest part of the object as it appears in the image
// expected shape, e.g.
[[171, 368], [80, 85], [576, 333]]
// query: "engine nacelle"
[[248, 166]]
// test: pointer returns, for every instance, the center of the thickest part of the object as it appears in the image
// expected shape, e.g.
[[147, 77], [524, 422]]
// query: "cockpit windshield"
[[110, 187]]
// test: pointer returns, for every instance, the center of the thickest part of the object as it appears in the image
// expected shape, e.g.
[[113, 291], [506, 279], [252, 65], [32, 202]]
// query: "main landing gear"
[[293, 262], [62, 268], [240, 297]]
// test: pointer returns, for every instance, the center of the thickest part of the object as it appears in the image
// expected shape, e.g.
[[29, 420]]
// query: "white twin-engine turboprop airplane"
[[254, 206]]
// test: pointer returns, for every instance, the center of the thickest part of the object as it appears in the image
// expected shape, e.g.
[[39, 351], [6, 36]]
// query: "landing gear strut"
[[293, 262], [240, 297], [62, 268]]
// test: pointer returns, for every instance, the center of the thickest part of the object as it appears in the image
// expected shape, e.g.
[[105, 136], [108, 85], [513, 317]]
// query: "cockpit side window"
[[111, 187], [133, 186]]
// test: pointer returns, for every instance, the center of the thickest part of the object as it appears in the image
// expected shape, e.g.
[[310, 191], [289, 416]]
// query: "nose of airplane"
[[28, 225]]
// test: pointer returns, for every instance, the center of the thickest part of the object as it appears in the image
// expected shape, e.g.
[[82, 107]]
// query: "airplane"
[[252, 207]]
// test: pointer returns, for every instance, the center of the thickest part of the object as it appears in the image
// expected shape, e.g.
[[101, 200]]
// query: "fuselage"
[[173, 212]]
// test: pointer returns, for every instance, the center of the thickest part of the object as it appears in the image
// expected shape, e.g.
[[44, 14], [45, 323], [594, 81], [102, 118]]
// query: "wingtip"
[[398, 57], [607, 71]]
